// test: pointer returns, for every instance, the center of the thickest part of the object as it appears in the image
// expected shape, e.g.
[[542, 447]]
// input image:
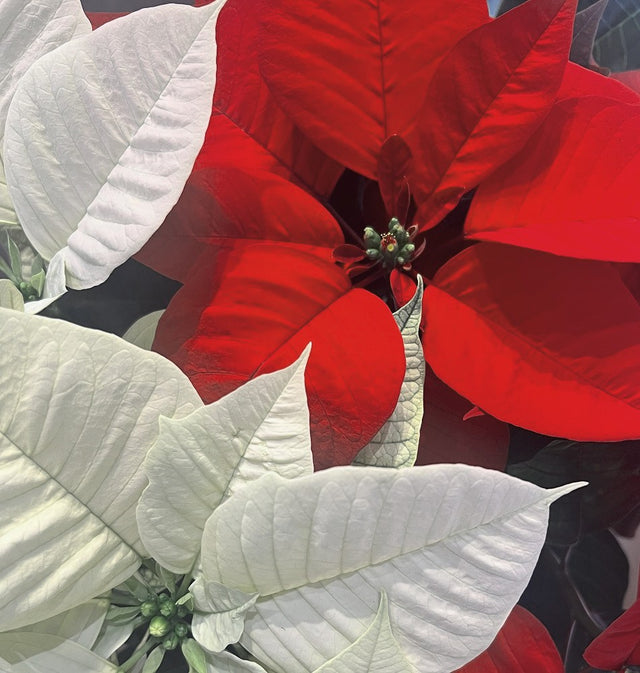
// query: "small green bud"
[[183, 611], [164, 597], [372, 253], [171, 642], [371, 237], [408, 249], [24, 286], [181, 629], [149, 609], [400, 261], [167, 608], [159, 626]]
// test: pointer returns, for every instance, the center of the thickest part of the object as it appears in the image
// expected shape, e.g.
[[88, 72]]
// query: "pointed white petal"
[[218, 619], [81, 624], [102, 134], [453, 546], [375, 651], [396, 443], [201, 460], [28, 30], [79, 410], [45, 653]]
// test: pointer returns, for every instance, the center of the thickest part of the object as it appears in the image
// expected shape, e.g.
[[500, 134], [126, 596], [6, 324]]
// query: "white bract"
[[100, 130], [415, 569]]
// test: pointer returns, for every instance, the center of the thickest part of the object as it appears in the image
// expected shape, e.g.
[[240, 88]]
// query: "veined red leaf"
[[619, 644], [547, 343], [242, 95], [224, 203], [252, 308], [351, 73], [446, 438], [579, 81], [573, 189], [487, 97], [523, 645]]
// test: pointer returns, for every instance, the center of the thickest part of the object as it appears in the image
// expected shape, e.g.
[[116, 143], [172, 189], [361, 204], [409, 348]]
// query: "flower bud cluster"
[[393, 248], [166, 620]]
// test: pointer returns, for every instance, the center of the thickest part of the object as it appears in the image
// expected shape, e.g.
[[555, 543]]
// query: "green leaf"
[[219, 617], [10, 296], [194, 655], [37, 282], [396, 443], [375, 651], [154, 660], [122, 615], [79, 410], [46, 653], [202, 459], [15, 257], [453, 546], [143, 330]]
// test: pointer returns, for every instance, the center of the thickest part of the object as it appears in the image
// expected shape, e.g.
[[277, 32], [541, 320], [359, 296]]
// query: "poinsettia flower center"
[[393, 248]]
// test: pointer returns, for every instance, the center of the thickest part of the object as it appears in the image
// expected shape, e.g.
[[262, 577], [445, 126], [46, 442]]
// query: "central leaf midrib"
[[62, 487]]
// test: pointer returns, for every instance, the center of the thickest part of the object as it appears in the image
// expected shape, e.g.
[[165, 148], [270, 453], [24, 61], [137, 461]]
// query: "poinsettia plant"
[[352, 149]]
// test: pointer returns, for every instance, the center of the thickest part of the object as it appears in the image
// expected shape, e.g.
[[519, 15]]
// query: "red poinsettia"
[[431, 101], [523, 645], [619, 645]]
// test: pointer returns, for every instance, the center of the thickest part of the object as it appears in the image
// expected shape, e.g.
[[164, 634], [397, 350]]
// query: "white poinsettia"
[[311, 572], [98, 131]]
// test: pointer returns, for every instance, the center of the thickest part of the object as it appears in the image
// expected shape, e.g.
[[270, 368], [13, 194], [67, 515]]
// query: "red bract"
[[523, 645], [486, 98], [618, 645], [539, 340], [308, 89]]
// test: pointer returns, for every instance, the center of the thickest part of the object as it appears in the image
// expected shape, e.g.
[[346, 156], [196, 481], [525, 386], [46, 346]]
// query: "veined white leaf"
[[201, 460], [81, 624], [28, 30], [396, 443], [7, 211], [375, 651], [45, 653], [218, 619], [143, 331], [225, 662], [10, 296], [453, 546], [78, 411], [5, 666], [102, 134]]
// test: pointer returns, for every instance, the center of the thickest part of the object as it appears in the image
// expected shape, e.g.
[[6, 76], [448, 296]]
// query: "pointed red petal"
[[486, 99], [225, 203], [243, 97], [573, 189], [252, 308], [351, 73], [523, 645], [547, 343], [618, 644], [100, 18]]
